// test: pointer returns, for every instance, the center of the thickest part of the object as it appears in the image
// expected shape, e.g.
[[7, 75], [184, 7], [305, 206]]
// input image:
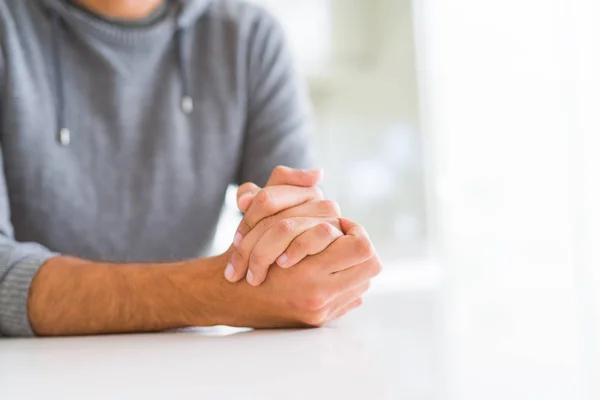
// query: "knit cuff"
[[14, 293]]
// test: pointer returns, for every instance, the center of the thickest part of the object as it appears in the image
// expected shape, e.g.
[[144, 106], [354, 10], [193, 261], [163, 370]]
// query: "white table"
[[382, 350], [397, 346]]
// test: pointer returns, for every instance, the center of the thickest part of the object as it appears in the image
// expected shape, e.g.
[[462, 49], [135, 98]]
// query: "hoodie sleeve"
[[19, 262], [279, 120]]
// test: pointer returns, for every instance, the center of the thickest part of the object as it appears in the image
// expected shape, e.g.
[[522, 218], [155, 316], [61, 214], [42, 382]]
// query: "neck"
[[122, 9]]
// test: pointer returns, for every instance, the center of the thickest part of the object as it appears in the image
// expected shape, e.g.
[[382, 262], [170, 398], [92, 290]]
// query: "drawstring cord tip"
[[187, 104], [64, 137]]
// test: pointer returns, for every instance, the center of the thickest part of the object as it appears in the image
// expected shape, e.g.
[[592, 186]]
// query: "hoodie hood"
[[190, 11]]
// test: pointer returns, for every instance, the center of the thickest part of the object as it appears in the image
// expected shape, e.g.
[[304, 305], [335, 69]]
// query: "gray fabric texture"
[[141, 179]]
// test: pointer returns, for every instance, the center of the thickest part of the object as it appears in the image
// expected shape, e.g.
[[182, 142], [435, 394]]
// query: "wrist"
[[201, 289]]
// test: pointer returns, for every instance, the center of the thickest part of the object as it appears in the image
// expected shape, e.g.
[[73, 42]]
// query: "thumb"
[[245, 195], [295, 177]]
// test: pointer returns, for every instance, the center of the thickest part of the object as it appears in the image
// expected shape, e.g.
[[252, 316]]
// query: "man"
[[123, 123]]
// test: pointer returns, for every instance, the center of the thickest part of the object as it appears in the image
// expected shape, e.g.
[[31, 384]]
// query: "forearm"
[[70, 296]]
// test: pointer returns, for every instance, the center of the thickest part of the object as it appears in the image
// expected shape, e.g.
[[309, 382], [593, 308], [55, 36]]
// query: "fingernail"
[[229, 272], [282, 260], [314, 171], [237, 239], [250, 277]]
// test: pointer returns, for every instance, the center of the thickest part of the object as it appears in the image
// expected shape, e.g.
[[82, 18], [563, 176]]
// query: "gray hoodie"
[[118, 143]]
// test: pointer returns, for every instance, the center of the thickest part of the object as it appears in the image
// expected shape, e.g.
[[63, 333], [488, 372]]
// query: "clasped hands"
[[291, 236]]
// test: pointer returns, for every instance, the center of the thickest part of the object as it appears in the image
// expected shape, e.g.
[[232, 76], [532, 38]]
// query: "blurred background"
[[359, 63], [463, 135]]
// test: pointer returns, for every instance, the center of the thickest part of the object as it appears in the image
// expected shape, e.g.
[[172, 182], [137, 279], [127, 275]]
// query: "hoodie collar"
[[62, 14], [181, 15]]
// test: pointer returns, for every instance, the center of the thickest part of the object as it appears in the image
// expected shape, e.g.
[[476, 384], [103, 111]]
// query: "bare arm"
[[70, 296], [74, 297]]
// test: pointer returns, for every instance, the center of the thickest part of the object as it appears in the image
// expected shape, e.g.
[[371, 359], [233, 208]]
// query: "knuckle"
[[373, 269], [325, 229], [318, 192], [245, 252], [264, 199], [267, 223], [316, 318], [364, 247], [363, 288], [285, 226], [358, 302], [298, 244], [377, 267], [314, 301], [279, 170], [246, 225], [256, 259], [329, 208]]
